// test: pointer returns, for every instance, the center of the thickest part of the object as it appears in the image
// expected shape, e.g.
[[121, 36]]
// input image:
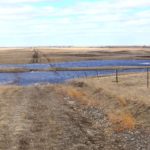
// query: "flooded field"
[[28, 78]]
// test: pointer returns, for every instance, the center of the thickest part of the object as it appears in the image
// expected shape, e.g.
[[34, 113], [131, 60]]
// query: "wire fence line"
[[85, 72], [115, 68]]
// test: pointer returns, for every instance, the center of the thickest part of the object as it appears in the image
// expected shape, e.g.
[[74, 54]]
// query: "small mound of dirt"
[[78, 84]]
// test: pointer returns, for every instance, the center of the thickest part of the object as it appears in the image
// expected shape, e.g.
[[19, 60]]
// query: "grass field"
[[58, 54]]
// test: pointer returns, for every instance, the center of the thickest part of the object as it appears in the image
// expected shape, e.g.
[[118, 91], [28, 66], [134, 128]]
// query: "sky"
[[74, 22]]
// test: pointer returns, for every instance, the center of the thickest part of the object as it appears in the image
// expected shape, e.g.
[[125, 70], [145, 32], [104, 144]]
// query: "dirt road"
[[45, 118], [41, 120]]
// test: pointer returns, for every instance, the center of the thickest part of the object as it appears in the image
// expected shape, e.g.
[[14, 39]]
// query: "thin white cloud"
[[83, 18], [24, 1], [132, 3]]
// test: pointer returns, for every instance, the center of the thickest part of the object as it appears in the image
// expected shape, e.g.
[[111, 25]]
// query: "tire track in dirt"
[[14, 123], [19, 126], [44, 118], [53, 126]]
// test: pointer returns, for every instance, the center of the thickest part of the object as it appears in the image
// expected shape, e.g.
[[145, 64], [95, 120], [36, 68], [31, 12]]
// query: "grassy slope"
[[129, 96]]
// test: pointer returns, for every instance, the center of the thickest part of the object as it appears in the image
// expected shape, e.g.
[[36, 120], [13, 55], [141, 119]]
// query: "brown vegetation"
[[54, 54], [92, 113], [126, 103]]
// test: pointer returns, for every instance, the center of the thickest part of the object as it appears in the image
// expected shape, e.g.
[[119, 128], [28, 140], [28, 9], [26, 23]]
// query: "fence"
[[116, 70]]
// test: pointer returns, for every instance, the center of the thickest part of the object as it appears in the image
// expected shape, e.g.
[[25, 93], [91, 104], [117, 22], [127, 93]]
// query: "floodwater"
[[29, 78]]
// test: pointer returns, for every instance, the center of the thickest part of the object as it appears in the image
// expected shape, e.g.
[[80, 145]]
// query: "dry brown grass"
[[78, 95], [126, 103], [122, 121], [24, 55], [117, 110], [131, 87], [123, 102], [26, 121], [38, 117]]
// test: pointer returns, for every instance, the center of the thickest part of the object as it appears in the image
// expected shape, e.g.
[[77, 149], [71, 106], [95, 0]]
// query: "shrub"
[[79, 95], [122, 121]]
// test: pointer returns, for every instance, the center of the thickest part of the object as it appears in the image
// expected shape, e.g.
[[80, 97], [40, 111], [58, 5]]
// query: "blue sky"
[[74, 22]]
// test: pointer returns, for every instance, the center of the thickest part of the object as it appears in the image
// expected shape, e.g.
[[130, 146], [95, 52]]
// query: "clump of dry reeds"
[[122, 121], [79, 95]]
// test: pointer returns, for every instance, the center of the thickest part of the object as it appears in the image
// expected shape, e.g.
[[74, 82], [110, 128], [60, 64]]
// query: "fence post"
[[117, 76], [147, 78], [85, 74], [97, 73]]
